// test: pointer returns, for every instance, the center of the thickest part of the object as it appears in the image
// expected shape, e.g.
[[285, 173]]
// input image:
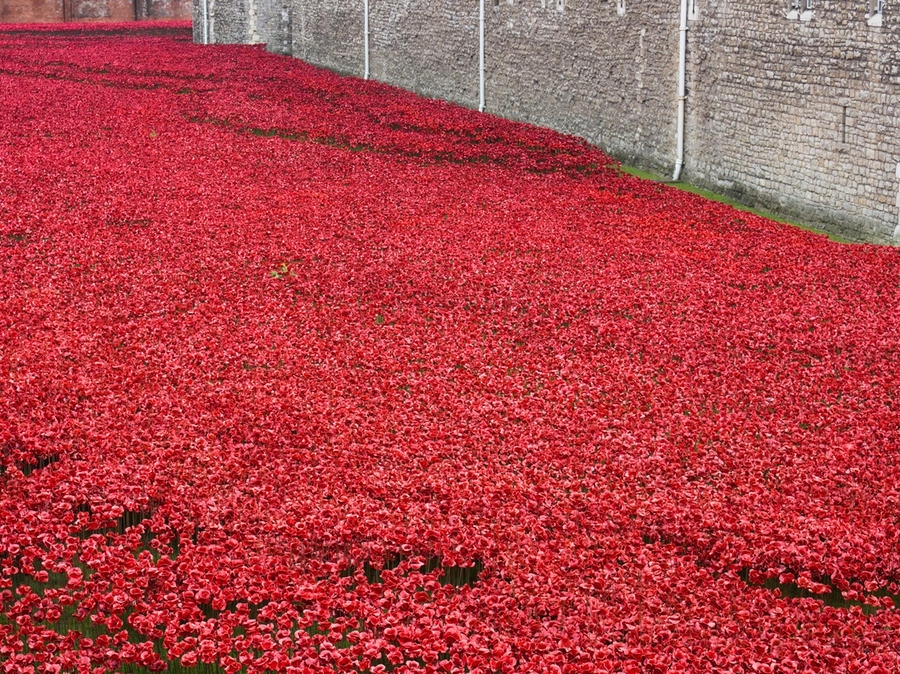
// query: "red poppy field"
[[302, 373]]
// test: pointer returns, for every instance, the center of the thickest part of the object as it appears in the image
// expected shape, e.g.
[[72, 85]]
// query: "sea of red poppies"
[[303, 373]]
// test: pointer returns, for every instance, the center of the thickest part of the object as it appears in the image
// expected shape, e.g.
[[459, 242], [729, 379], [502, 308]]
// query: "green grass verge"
[[712, 196]]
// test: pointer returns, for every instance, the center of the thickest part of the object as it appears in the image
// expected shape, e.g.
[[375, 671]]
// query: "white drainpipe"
[[481, 56], [253, 21], [204, 10], [366, 38], [682, 67]]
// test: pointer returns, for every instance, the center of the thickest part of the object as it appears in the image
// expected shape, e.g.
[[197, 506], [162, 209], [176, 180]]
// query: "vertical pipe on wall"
[[481, 56], [204, 10], [252, 23], [682, 67], [366, 38]]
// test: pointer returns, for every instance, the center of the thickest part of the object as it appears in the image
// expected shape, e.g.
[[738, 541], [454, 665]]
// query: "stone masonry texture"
[[794, 111], [26, 11], [44, 11]]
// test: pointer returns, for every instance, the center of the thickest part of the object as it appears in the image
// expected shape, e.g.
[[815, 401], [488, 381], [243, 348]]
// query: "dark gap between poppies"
[[871, 602], [786, 586], [456, 576]]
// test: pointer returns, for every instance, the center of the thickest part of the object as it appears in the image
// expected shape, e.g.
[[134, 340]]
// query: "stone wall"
[[30, 11], [246, 21], [96, 10], [798, 114], [159, 10], [791, 110], [430, 48], [44, 11], [342, 22], [586, 68]]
